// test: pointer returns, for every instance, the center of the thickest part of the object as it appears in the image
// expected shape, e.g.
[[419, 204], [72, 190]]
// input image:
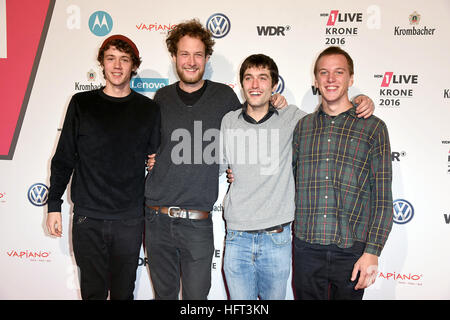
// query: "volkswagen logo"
[[403, 211], [219, 25], [280, 86], [100, 23], [38, 194]]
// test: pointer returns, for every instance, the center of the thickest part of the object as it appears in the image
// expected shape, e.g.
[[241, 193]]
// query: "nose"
[[255, 83], [331, 77], [191, 60], [117, 64]]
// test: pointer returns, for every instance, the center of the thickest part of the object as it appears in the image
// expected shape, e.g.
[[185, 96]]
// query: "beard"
[[190, 80]]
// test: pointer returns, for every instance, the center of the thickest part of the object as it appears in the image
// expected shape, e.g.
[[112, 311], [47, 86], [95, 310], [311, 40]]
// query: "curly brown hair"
[[194, 29], [123, 47]]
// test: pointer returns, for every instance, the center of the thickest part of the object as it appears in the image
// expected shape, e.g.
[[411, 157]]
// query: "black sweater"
[[181, 176], [104, 143]]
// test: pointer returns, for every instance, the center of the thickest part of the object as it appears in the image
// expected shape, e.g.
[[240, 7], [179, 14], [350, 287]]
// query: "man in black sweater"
[[106, 137]]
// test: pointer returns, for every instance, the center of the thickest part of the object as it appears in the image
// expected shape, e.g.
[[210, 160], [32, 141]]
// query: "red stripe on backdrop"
[[24, 24]]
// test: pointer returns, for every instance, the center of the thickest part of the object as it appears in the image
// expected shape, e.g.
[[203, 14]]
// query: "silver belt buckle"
[[177, 215]]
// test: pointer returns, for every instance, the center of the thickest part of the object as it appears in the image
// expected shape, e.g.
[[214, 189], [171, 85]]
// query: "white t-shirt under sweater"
[[260, 155]]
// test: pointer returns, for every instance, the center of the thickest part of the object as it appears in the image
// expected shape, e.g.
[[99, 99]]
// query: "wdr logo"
[[403, 211], [100, 23]]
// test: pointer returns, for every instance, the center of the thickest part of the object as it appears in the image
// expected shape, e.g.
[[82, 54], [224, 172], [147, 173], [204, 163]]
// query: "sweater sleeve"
[[64, 159]]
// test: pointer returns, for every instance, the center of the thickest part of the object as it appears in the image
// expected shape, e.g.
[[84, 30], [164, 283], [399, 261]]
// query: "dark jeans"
[[323, 272], [107, 253], [177, 248]]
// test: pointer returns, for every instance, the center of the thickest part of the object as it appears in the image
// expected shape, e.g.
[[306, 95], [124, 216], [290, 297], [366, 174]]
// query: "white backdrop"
[[405, 73]]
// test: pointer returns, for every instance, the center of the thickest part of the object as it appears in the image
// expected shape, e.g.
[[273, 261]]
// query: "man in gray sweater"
[[259, 206]]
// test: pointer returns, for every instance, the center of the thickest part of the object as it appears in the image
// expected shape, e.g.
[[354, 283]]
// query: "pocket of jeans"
[[231, 235], [282, 238], [79, 220], [149, 214], [202, 224]]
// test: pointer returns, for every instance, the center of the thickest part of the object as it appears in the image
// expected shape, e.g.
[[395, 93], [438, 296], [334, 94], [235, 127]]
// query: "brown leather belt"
[[177, 212], [275, 229]]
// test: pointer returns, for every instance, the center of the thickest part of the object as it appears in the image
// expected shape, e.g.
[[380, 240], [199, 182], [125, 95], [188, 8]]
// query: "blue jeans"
[[257, 264]]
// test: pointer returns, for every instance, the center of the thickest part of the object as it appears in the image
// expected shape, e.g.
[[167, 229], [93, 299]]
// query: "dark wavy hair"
[[123, 47], [260, 61], [194, 29]]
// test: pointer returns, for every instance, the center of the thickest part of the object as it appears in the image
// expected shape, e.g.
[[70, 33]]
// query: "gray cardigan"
[[260, 155]]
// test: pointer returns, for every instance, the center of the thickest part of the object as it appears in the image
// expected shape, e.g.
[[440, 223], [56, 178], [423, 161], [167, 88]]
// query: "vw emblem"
[[100, 23], [219, 25], [280, 86], [403, 211], [38, 194]]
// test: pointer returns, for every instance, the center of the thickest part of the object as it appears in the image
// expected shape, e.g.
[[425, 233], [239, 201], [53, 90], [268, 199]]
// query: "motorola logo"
[[219, 25], [38, 194], [100, 23]]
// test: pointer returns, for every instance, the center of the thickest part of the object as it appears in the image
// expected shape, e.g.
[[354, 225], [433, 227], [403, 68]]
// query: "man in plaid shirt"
[[343, 174]]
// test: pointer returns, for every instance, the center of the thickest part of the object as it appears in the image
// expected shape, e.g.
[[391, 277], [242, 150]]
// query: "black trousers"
[[323, 272], [177, 249], [107, 254]]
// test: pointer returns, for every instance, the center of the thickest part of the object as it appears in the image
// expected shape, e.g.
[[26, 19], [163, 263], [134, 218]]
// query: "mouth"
[[191, 69], [255, 93], [331, 88]]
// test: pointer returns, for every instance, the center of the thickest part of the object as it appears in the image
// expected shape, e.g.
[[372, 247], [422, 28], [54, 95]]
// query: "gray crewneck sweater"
[[186, 173], [260, 155]]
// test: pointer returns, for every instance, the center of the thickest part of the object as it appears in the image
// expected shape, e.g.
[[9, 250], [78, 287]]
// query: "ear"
[[207, 59], [274, 87], [350, 83]]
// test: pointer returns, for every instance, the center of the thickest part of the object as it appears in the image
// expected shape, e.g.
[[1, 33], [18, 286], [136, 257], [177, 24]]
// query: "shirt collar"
[[350, 112], [272, 109]]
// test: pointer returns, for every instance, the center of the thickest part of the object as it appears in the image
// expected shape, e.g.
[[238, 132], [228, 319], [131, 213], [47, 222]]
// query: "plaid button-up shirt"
[[343, 175]]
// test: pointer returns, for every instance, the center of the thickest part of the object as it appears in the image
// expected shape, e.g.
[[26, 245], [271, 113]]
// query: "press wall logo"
[[38, 194], [91, 84], [406, 278], [280, 86], [395, 87], [276, 31], [148, 84], [395, 155], [30, 255], [156, 27], [340, 25], [219, 25], [403, 211], [2, 197], [414, 20], [448, 162], [100, 23], [446, 93]]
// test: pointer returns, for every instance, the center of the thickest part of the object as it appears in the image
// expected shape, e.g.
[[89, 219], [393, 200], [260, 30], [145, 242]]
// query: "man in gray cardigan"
[[259, 206]]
